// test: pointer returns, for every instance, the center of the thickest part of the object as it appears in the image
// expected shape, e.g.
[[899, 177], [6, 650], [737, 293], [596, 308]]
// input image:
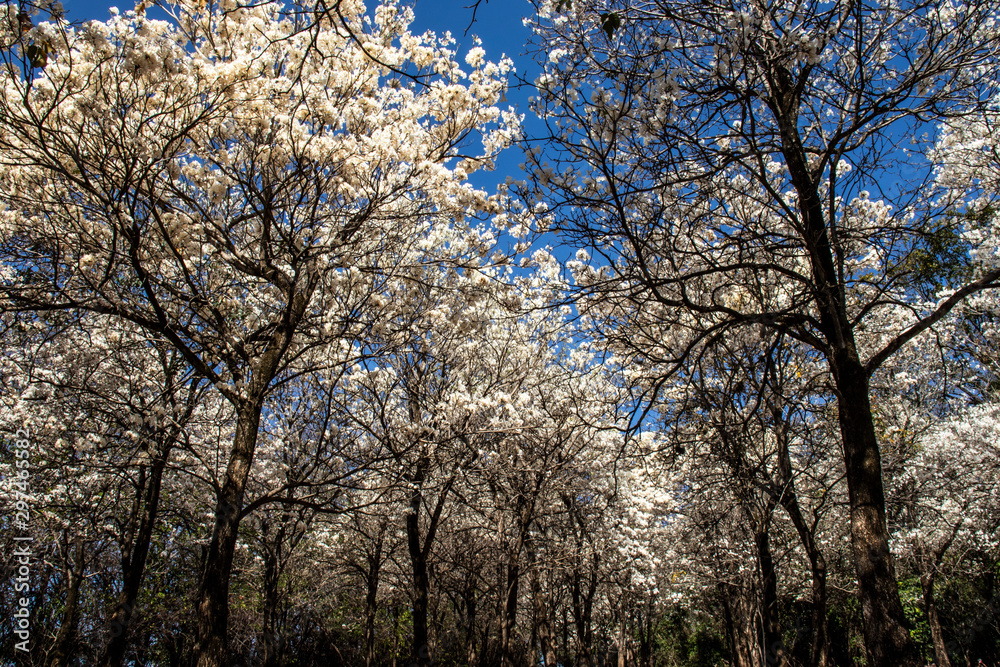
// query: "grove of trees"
[[711, 380]]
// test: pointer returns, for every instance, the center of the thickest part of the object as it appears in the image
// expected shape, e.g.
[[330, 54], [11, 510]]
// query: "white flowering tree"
[[457, 401], [727, 166], [109, 410], [559, 426], [755, 411], [949, 497], [237, 187]]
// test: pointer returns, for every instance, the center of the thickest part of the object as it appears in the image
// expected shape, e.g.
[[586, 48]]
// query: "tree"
[[415, 403], [717, 159], [948, 496], [749, 404], [113, 413], [238, 187]]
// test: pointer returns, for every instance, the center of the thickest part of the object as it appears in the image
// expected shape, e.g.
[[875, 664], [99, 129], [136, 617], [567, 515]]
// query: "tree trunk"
[[886, 638], [739, 635], [134, 560], [565, 632], [469, 596], [533, 637], [645, 625], [819, 650], [622, 642], [271, 640], [42, 594], [135, 550], [509, 616], [418, 559], [421, 583], [937, 633], [371, 601], [508, 620], [212, 607], [395, 635], [65, 642], [543, 621], [773, 650], [582, 610], [421, 650]]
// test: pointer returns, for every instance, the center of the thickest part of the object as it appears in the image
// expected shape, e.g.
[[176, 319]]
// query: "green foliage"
[[610, 22], [846, 639], [940, 257], [912, 597], [969, 605], [683, 639]]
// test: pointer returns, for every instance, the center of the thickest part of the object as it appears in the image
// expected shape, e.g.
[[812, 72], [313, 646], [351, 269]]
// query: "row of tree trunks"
[[272, 572], [771, 641], [147, 498], [371, 596], [543, 619], [524, 515], [738, 616]]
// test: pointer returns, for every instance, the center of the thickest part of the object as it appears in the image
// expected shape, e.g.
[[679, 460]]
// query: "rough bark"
[[737, 617], [213, 594], [886, 637], [212, 600]]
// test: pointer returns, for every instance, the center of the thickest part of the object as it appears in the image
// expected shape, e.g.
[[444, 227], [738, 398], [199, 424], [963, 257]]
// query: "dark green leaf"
[[610, 21]]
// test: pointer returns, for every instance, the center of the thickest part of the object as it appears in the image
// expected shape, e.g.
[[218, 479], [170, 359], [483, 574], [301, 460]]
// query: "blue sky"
[[498, 22], [499, 25]]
